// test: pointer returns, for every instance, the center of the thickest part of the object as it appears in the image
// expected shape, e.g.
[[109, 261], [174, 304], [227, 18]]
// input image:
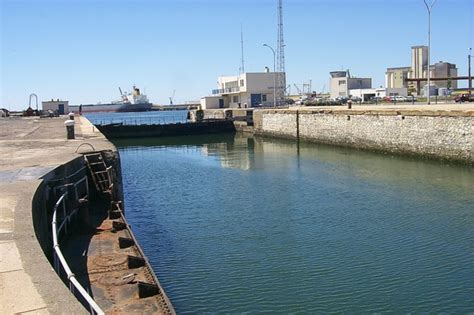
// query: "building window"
[[342, 82], [231, 84], [264, 97], [235, 98], [242, 82]]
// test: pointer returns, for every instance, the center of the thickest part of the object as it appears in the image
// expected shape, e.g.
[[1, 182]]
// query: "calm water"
[[235, 224], [139, 118]]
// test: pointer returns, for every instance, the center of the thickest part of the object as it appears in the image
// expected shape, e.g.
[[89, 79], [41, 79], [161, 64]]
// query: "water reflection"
[[241, 223], [247, 152]]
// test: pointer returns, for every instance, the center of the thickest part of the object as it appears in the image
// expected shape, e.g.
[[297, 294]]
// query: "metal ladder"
[[102, 175]]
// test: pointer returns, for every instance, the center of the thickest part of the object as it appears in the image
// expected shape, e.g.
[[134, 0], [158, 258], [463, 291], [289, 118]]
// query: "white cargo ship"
[[130, 102]]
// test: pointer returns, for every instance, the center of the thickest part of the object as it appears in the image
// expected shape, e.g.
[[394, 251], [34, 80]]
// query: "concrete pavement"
[[29, 149]]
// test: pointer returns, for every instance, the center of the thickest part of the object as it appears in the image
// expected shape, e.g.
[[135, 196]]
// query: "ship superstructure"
[[129, 102]]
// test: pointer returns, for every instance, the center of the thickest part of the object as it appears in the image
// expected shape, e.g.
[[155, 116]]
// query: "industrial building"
[[341, 83], [445, 70], [395, 78], [58, 106], [250, 89]]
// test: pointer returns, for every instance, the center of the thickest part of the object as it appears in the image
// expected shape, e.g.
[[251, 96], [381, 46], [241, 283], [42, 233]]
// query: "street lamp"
[[274, 75], [469, 71], [429, 7]]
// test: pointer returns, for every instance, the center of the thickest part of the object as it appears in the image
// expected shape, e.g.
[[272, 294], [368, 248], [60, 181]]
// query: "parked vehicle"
[[397, 98], [341, 99], [374, 99], [400, 98], [464, 98]]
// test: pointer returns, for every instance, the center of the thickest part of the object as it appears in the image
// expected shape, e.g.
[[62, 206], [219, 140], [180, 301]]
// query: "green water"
[[236, 224]]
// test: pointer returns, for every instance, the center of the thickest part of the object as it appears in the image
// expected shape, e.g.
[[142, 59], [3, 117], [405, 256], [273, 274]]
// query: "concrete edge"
[[53, 291]]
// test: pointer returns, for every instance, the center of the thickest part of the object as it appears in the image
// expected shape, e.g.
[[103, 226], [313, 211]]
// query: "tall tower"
[[281, 77], [419, 61], [242, 67]]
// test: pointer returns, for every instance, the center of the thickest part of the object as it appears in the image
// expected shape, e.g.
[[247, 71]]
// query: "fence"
[[154, 120], [59, 261]]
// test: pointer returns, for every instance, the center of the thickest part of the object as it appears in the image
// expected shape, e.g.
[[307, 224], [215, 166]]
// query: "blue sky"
[[82, 51]]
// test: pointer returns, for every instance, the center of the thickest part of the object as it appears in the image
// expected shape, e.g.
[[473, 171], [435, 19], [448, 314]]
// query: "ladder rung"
[[97, 163]]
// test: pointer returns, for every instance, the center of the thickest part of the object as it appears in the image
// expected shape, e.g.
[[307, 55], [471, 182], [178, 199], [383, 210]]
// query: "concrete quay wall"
[[444, 134], [33, 152], [35, 160], [117, 131]]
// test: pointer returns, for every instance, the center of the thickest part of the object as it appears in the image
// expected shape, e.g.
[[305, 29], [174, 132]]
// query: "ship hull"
[[113, 108]]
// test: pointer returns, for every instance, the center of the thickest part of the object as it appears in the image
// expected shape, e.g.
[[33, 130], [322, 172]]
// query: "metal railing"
[[226, 90], [59, 260], [163, 120]]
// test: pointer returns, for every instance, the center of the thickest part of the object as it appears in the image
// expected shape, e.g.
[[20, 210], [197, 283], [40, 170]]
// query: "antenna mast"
[[281, 81], [242, 69]]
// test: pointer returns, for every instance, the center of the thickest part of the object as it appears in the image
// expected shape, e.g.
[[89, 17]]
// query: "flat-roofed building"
[[445, 70], [250, 89], [395, 77], [341, 83], [61, 107]]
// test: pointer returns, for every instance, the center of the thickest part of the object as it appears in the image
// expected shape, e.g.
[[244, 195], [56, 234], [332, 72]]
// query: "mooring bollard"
[[70, 128]]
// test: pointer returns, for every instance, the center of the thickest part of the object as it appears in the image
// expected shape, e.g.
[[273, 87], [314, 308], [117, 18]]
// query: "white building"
[[403, 91], [250, 89], [341, 83], [61, 107]]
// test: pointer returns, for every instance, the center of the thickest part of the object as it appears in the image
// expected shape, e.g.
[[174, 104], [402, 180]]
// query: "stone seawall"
[[436, 134]]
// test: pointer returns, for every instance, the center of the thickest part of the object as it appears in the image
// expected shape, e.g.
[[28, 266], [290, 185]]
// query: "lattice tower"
[[281, 77]]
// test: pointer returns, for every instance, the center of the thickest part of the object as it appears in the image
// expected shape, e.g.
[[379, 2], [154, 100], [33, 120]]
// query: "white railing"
[[226, 90], [59, 260]]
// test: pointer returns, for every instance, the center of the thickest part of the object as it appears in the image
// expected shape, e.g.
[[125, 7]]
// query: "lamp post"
[[274, 75], [469, 71], [429, 7]]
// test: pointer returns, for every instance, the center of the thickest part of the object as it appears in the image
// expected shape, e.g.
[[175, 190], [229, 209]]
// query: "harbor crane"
[[124, 95], [298, 89], [172, 97]]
